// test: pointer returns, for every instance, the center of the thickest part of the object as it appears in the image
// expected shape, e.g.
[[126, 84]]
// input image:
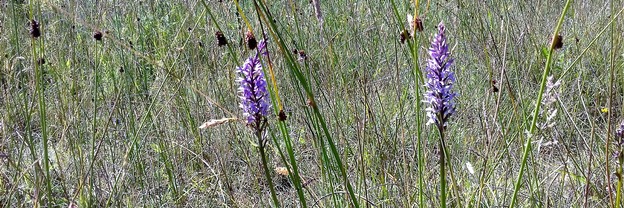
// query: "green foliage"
[[114, 123]]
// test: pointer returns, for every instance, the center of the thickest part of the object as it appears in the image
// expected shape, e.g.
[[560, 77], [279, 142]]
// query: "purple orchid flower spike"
[[253, 88], [440, 81]]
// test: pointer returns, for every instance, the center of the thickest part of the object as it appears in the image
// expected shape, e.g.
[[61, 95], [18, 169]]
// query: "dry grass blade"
[[216, 122]]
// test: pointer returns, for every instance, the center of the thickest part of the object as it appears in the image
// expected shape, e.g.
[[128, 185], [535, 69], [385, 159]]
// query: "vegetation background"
[[103, 108]]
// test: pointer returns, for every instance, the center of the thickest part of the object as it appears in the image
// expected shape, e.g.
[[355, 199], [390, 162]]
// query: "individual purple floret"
[[440, 81], [253, 87]]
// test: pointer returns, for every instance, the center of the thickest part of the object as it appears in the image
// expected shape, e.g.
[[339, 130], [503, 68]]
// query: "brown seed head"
[[97, 35], [34, 29], [221, 41], [251, 40], [418, 26], [403, 36], [558, 42], [41, 61], [494, 88], [282, 115]]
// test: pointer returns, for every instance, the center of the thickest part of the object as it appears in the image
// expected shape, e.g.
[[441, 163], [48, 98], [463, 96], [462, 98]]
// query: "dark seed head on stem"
[[494, 88], [558, 42], [252, 43], [403, 36], [41, 61], [35, 32], [97, 35], [418, 26], [282, 115], [221, 41]]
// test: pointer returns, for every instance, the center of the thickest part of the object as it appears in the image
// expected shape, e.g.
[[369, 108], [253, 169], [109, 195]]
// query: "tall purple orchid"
[[255, 104], [440, 81], [253, 89], [440, 96]]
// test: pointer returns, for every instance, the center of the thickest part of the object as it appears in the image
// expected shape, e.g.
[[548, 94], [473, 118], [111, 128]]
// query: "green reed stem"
[[618, 193], [609, 117], [413, 44], [527, 147], [292, 168], [442, 169], [267, 172], [37, 43]]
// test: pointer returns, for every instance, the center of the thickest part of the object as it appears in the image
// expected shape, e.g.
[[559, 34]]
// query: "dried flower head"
[[34, 31], [418, 26], [404, 36], [97, 35], [415, 24], [252, 43], [558, 42], [221, 41], [215, 122], [253, 88], [551, 94], [440, 81], [282, 115], [494, 88]]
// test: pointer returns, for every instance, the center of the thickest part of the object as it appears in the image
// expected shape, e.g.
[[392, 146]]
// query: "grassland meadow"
[[311, 103]]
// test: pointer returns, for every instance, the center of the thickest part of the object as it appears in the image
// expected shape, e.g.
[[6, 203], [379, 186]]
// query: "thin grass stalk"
[[618, 192], [267, 172], [592, 134], [450, 170], [29, 132], [421, 159], [416, 74], [418, 79], [234, 57], [442, 169], [293, 170], [591, 43], [94, 120], [486, 54], [15, 41], [609, 117], [168, 169], [295, 16], [527, 147], [37, 45]]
